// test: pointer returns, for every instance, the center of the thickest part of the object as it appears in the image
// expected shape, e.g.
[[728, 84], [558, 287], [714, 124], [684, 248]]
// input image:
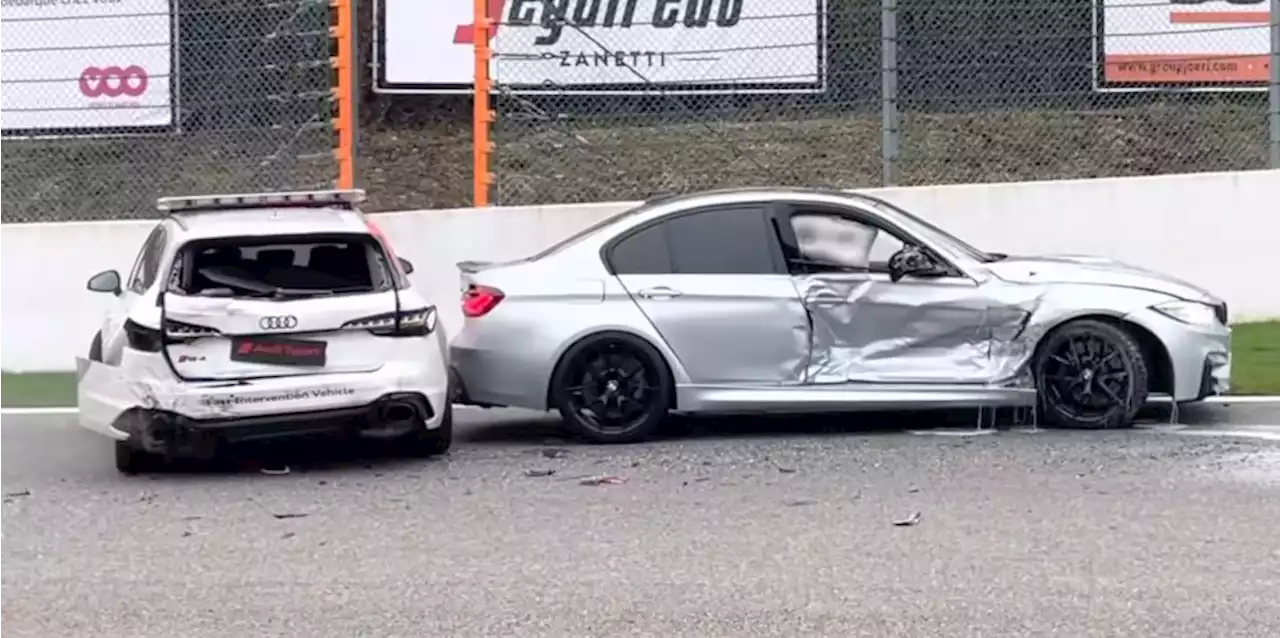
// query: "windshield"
[[943, 237]]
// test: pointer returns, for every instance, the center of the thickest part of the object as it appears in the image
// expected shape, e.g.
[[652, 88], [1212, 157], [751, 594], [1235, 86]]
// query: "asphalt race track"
[[746, 527]]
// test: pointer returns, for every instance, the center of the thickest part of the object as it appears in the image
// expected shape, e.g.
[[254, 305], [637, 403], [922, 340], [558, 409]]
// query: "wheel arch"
[[1159, 363], [563, 354]]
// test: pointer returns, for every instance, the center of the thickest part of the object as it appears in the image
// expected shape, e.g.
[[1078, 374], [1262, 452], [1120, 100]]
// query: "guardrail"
[[1217, 230]]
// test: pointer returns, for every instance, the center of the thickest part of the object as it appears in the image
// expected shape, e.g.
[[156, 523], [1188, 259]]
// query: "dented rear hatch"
[[249, 338], [255, 307]]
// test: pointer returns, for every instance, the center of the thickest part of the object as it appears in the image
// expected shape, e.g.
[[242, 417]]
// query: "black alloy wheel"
[[612, 389], [1091, 374]]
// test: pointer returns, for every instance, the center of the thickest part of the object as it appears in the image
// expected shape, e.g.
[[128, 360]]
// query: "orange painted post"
[[344, 90], [481, 115]]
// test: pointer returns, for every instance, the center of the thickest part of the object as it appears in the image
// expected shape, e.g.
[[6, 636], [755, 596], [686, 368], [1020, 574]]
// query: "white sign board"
[[606, 46], [1143, 44], [86, 66]]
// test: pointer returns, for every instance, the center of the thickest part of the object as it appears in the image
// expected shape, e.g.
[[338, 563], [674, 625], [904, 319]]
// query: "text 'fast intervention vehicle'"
[[259, 316], [785, 300]]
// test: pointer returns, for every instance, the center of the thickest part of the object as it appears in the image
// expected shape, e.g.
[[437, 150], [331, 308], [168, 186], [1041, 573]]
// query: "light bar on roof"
[[346, 198]]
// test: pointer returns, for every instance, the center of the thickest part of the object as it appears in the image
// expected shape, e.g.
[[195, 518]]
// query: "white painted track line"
[[56, 411], [1230, 400], [1218, 400], [1215, 400], [35, 411]]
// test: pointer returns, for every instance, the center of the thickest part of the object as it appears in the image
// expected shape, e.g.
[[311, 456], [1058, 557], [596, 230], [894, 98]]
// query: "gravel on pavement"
[[736, 528]]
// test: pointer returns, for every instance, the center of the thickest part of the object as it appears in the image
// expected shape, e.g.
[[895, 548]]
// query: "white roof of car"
[[256, 222]]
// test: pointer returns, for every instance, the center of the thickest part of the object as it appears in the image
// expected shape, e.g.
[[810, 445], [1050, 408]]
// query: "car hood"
[[1086, 269]]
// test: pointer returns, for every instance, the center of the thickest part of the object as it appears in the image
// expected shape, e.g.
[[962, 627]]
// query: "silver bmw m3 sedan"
[[787, 300]]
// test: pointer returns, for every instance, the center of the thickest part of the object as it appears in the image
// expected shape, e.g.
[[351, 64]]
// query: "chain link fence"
[[109, 104], [615, 99], [610, 100], [1005, 91]]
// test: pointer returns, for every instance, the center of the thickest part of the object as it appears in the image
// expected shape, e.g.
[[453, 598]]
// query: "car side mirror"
[[105, 281], [405, 265], [911, 260]]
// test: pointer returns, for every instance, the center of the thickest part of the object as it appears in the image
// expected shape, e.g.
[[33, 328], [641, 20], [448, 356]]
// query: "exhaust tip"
[[398, 412]]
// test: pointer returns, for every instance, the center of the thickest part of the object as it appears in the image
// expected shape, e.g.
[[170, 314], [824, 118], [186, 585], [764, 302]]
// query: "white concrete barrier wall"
[[1219, 230]]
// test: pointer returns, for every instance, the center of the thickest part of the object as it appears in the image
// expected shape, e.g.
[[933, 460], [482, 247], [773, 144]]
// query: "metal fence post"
[[345, 92], [353, 15], [1273, 91], [890, 117]]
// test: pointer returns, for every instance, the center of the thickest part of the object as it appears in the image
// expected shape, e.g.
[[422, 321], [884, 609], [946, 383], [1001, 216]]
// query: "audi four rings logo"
[[113, 81], [278, 323]]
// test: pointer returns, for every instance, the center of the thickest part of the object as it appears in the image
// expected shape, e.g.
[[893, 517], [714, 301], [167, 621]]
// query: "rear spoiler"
[[474, 266]]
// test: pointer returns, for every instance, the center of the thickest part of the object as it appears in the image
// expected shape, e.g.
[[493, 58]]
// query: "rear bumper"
[[289, 395], [112, 400], [488, 377], [162, 432]]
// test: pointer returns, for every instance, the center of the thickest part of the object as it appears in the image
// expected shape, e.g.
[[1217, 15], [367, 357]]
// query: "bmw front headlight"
[[1192, 312]]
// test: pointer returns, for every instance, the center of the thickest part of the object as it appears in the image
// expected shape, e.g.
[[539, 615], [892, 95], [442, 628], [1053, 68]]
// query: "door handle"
[[659, 292]]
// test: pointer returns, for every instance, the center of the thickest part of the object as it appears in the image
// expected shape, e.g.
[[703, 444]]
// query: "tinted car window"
[[644, 253], [723, 241]]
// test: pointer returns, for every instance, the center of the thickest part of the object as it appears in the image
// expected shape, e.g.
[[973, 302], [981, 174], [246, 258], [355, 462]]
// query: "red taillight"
[[477, 301], [405, 323]]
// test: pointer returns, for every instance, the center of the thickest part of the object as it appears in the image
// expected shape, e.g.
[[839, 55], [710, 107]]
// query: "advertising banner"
[[1221, 44], [605, 46], [86, 66]]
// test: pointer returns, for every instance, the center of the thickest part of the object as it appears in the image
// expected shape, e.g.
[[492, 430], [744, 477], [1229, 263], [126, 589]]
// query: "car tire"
[[612, 388], [131, 461], [1091, 375], [424, 443], [95, 348]]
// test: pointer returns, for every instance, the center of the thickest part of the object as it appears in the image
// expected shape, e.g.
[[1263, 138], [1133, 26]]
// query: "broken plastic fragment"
[[603, 480], [908, 521]]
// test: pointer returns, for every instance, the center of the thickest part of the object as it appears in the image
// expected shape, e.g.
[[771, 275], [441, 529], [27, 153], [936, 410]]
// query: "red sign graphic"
[[113, 81], [281, 349], [466, 33]]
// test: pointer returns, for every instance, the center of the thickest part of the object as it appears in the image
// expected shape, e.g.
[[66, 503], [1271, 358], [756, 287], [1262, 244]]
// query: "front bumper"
[[1199, 356]]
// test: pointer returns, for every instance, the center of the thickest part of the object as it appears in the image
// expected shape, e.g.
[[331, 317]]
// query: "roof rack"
[[347, 199]]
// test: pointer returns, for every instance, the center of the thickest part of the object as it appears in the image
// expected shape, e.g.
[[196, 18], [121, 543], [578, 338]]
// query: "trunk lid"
[[238, 338]]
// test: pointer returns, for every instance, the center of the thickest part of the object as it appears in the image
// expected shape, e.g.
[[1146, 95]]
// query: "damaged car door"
[[714, 285], [929, 326]]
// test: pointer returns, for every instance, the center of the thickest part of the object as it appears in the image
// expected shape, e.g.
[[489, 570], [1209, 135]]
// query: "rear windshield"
[[306, 265]]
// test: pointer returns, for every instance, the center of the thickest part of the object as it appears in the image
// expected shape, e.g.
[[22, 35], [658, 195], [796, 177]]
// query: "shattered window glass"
[[844, 243]]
